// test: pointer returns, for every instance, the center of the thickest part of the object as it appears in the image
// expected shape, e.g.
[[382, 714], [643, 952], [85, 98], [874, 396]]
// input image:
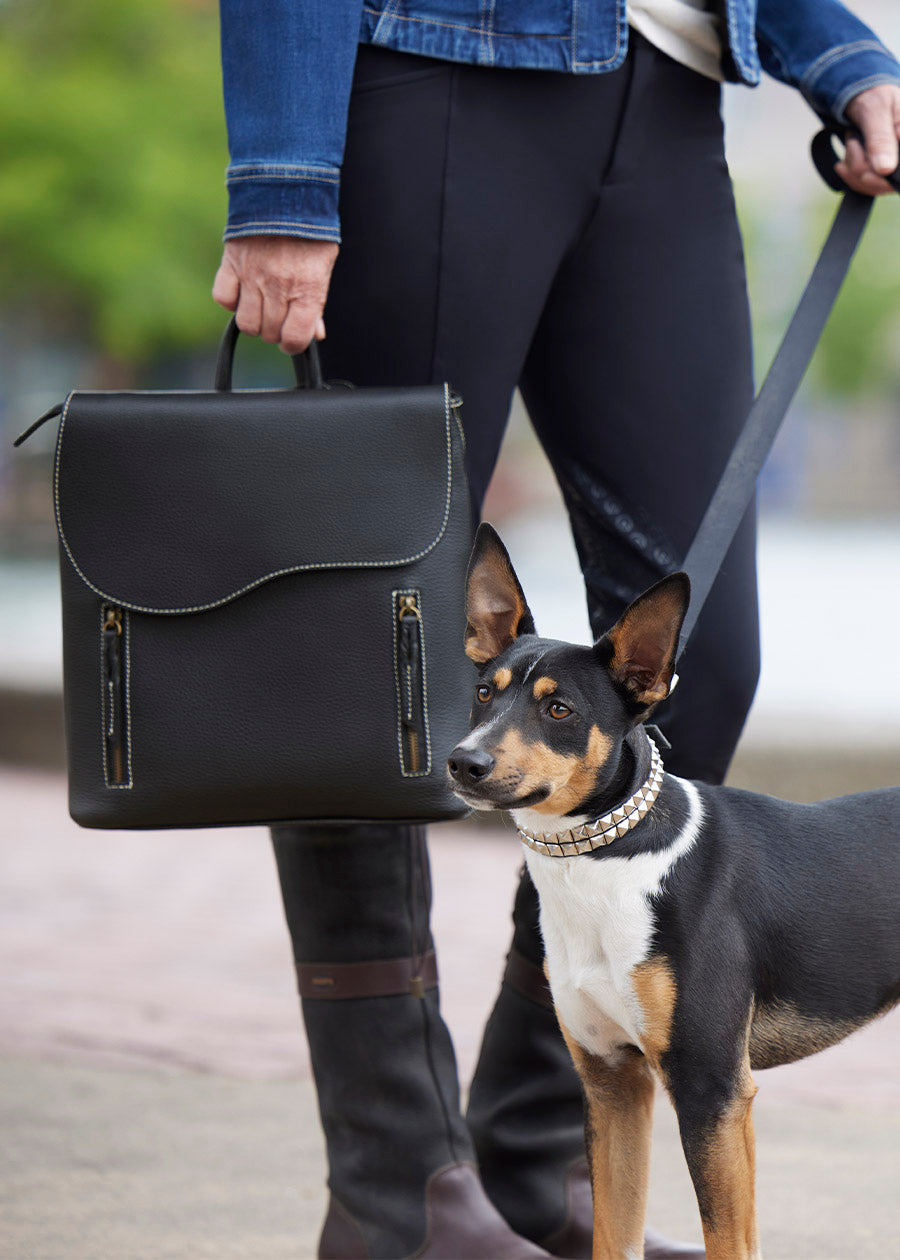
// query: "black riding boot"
[[401, 1164], [526, 1112]]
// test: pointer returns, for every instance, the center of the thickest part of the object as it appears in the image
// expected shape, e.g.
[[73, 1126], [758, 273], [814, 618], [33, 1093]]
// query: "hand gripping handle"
[[824, 156], [307, 367]]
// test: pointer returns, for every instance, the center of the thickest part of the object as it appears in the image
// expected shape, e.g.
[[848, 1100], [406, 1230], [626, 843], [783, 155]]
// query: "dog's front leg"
[[716, 1125], [618, 1125]]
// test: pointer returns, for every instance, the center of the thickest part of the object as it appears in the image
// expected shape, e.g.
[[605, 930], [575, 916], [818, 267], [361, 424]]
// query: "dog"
[[692, 933]]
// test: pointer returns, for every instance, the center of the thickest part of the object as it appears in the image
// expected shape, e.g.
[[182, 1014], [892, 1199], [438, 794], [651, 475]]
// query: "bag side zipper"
[[411, 684], [115, 719]]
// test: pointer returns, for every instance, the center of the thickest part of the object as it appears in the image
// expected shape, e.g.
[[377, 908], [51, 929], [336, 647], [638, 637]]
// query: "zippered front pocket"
[[116, 719], [410, 673]]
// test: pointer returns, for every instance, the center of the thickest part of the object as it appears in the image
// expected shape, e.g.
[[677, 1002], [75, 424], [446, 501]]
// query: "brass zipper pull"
[[113, 620]]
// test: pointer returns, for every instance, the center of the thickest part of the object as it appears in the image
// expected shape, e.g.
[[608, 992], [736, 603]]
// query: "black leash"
[[738, 482]]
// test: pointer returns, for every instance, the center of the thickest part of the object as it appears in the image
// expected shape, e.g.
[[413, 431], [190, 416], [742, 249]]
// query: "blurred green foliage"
[[858, 356], [112, 198], [860, 351]]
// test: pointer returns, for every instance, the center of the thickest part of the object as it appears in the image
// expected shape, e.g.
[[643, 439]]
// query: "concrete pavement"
[[155, 1097]]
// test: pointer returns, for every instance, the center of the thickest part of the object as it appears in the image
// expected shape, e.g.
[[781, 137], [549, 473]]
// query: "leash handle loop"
[[824, 156]]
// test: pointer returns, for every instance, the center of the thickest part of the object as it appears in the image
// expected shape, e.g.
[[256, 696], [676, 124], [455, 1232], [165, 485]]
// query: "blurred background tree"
[[112, 197], [859, 357], [112, 203]]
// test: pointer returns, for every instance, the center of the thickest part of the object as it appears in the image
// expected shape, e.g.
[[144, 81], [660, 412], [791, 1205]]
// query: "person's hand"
[[277, 286], [876, 112]]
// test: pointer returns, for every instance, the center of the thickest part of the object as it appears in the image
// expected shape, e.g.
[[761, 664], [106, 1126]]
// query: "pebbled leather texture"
[[174, 502], [279, 703]]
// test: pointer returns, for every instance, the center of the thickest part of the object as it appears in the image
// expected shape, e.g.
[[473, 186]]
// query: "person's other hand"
[[876, 112], [277, 286]]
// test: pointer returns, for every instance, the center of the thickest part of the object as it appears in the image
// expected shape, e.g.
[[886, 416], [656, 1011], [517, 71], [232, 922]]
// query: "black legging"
[[574, 236]]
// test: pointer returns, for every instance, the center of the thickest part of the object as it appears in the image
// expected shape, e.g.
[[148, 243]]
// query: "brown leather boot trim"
[[462, 1221], [341, 1237], [574, 1237], [388, 978], [527, 978]]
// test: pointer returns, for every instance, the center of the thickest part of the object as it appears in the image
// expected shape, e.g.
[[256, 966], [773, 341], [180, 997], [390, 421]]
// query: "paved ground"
[[155, 1098]]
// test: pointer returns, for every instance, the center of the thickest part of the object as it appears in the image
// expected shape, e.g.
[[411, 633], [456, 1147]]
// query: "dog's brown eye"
[[558, 710], [483, 694]]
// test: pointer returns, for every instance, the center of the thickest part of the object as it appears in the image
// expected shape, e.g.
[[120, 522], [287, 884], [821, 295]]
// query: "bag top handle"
[[307, 367], [307, 372]]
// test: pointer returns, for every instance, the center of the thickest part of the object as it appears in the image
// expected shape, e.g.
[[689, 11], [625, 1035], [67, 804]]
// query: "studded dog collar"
[[606, 829]]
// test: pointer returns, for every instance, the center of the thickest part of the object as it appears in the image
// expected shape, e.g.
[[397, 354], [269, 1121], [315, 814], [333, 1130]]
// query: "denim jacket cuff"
[[832, 81], [283, 199]]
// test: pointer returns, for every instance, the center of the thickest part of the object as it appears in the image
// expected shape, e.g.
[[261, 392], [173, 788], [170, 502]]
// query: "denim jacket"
[[288, 66]]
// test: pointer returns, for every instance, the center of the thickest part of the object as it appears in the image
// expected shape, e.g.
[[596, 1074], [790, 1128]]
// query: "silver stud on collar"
[[606, 829]]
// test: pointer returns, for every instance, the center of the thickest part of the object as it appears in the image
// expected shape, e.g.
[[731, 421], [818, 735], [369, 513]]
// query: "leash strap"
[[738, 482]]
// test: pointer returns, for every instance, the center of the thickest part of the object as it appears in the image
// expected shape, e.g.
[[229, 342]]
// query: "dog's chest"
[[597, 922], [597, 927]]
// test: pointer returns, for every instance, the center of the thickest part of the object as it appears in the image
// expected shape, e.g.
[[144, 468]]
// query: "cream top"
[[685, 30]]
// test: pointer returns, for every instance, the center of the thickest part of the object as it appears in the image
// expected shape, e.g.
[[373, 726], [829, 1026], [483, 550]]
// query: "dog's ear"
[[641, 647], [495, 604]]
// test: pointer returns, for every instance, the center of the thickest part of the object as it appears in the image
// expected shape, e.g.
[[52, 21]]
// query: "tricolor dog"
[[694, 932]]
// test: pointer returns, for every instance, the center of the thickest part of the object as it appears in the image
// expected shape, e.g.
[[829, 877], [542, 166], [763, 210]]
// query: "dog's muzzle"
[[467, 767], [471, 770]]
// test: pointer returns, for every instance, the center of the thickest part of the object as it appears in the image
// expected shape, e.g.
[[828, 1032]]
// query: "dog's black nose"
[[469, 765]]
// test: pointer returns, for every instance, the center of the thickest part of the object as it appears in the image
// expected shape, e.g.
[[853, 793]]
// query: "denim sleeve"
[[287, 67], [824, 50]]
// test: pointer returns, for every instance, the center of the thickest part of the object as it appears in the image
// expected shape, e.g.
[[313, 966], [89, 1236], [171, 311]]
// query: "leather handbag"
[[263, 601]]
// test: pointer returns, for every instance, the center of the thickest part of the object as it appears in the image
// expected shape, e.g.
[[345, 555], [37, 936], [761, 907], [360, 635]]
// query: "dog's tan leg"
[[721, 1154], [618, 1128]]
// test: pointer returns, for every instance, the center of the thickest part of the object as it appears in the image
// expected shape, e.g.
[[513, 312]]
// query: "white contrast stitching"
[[394, 623], [280, 223], [475, 30], [425, 688], [848, 94], [128, 651], [280, 229], [586, 64], [487, 21], [297, 568], [103, 698], [838, 53], [285, 169], [383, 26], [304, 179], [458, 26]]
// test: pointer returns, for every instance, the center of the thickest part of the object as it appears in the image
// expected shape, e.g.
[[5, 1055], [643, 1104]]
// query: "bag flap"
[[177, 502]]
